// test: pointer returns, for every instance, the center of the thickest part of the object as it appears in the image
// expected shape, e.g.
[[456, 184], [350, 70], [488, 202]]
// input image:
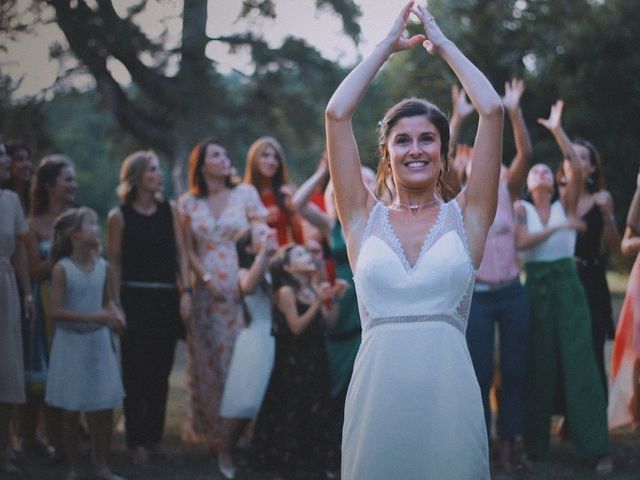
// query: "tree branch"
[[106, 34], [145, 128], [349, 13], [125, 41], [194, 39], [93, 54]]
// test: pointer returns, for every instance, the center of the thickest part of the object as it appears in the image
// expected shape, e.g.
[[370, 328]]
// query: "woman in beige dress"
[[13, 232]]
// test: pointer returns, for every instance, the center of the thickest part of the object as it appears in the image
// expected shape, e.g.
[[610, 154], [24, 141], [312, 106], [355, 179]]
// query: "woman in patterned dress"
[[212, 213]]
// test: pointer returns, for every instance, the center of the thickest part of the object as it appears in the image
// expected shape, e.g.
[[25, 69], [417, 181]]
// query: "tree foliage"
[[177, 96], [583, 51]]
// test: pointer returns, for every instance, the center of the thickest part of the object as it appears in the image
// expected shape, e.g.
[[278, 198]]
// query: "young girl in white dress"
[[254, 350], [84, 375], [413, 409]]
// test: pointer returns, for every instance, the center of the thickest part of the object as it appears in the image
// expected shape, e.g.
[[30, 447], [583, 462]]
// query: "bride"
[[413, 409]]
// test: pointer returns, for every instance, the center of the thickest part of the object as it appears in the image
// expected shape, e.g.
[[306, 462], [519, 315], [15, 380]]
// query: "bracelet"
[[187, 290]]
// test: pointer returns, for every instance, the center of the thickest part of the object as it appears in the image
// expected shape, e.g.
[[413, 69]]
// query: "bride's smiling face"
[[414, 148]]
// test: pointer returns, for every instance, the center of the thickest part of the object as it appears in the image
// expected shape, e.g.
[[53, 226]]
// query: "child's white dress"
[[84, 373]]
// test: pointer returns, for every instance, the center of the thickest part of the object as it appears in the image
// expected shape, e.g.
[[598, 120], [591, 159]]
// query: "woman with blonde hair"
[[266, 169], [147, 260]]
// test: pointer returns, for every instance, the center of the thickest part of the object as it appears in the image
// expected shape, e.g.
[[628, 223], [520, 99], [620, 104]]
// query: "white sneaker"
[[226, 466]]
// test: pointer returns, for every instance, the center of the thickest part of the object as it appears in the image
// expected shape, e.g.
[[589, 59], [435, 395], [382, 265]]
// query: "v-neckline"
[[227, 203], [425, 247], [537, 212]]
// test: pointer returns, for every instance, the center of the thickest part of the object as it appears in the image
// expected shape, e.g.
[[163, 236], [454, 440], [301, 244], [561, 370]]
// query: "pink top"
[[500, 262]]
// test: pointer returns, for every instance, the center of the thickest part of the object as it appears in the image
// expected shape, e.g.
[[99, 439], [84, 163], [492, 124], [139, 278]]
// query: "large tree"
[[176, 95]]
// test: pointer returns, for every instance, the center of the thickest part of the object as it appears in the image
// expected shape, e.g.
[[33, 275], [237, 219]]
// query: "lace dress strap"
[[461, 231], [372, 222]]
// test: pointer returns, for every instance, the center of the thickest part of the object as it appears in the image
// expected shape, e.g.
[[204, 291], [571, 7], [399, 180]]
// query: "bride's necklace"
[[414, 208]]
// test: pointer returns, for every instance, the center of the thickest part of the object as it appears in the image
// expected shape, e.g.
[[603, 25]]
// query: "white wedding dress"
[[414, 410]]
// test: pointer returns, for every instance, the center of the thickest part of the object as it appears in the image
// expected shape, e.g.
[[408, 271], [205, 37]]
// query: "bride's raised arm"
[[480, 198], [353, 200]]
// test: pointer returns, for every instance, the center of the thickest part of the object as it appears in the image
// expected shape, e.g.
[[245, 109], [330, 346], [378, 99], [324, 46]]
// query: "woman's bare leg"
[[232, 428]]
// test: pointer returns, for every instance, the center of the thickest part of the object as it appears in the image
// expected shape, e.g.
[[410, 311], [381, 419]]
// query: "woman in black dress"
[[145, 254], [595, 208]]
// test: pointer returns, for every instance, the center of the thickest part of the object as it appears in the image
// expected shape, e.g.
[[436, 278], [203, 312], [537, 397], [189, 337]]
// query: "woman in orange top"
[[266, 169]]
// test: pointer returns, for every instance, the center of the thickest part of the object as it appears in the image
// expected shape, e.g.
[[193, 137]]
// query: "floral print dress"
[[214, 324]]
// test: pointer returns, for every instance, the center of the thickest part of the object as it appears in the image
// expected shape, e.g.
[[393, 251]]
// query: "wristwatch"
[[206, 277]]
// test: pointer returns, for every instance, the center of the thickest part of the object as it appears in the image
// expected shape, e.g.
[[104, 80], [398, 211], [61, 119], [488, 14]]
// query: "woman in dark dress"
[[146, 256], [293, 431], [595, 208]]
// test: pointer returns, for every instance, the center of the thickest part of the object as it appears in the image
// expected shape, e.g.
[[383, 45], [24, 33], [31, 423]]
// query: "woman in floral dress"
[[212, 213]]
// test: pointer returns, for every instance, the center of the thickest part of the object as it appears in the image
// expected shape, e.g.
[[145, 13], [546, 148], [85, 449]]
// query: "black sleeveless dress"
[[150, 300], [591, 264], [293, 430]]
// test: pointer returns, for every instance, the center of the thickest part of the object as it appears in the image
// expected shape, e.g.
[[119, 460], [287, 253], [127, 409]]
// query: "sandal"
[[604, 465], [226, 466]]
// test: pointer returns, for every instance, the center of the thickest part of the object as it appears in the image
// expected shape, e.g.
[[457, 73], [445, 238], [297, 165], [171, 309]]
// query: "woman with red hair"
[[266, 169], [213, 212]]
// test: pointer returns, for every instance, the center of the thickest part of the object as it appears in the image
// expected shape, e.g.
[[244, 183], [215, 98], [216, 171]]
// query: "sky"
[[28, 59]]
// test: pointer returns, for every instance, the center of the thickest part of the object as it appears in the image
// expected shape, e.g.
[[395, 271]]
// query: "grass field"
[[189, 462]]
